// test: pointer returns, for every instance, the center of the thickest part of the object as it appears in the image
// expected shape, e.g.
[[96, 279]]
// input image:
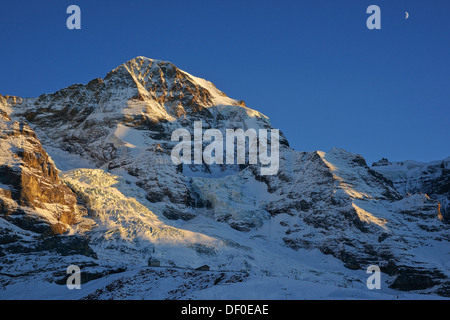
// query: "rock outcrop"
[[31, 193]]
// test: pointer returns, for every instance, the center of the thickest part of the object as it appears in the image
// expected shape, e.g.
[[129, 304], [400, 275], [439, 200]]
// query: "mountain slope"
[[431, 178]]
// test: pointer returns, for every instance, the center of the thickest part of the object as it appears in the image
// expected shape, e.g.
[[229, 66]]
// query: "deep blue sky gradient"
[[313, 67]]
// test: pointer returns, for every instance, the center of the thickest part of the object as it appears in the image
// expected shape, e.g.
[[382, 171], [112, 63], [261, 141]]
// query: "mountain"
[[318, 223], [409, 177]]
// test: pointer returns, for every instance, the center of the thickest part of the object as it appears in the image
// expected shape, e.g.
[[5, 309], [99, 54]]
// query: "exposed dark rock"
[[416, 279], [87, 275], [242, 226], [172, 213], [66, 246]]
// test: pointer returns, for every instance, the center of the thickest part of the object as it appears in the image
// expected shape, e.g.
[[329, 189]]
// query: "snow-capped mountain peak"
[[112, 137], [162, 81]]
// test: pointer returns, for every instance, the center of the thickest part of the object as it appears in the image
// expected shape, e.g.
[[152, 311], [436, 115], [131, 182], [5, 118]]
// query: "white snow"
[[131, 137]]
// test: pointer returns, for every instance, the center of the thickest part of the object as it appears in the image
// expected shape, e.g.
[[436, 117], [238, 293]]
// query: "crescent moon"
[[406, 15]]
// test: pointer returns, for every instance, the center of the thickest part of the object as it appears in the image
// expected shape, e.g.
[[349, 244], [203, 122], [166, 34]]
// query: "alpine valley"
[[87, 179]]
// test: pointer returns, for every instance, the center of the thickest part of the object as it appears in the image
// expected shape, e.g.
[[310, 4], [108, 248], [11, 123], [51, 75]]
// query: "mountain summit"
[[319, 222], [171, 87]]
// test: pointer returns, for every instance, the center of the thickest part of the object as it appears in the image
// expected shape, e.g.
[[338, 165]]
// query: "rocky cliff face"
[[32, 195], [227, 216]]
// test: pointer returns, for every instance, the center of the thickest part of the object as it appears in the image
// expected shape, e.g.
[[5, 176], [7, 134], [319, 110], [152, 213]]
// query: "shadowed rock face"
[[31, 194]]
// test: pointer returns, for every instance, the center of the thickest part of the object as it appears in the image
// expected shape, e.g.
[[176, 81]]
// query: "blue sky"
[[313, 67]]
